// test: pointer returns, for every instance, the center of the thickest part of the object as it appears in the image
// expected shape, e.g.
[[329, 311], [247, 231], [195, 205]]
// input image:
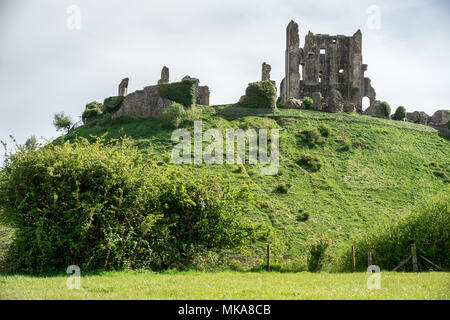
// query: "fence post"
[[369, 258], [268, 257], [353, 259], [414, 258]]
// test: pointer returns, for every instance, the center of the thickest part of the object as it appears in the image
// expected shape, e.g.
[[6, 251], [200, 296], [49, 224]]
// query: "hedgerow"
[[427, 226], [105, 206]]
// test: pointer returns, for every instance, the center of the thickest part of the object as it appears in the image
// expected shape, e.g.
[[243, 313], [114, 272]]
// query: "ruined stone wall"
[[328, 62], [143, 104], [147, 102]]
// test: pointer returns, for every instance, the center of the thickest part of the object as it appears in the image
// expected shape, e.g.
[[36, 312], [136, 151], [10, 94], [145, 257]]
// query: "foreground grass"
[[229, 285]]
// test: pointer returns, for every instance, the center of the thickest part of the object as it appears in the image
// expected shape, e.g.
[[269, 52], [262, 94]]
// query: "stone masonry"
[[327, 63], [123, 87], [147, 102]]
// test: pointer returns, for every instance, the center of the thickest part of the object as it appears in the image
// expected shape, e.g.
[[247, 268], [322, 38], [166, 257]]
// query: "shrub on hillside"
[[385, 109], [346, 144], [427, 226], [182, 92], [104, 206], [173, 116], [311, 136], [92, 111], [307, 102], [282, 188], [260, 95], [317, 249], [325, 130], [310, 163], [112, 104]]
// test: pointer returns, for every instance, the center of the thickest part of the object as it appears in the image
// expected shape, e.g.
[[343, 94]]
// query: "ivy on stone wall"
[[182, 92]]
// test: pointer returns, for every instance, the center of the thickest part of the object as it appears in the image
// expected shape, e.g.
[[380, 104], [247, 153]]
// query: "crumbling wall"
[[147, 102], [329, 62]]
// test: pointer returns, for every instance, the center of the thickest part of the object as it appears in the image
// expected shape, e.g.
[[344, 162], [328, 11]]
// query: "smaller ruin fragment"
[[164, 75], [265, 73], [147, 102], [123, 87]]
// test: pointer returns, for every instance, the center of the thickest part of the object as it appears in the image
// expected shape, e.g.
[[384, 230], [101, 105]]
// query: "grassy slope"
[[394, 167], [228, 285]]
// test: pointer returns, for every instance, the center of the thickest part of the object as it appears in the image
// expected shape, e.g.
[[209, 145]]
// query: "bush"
[[195, 218], [311, 136], [325, 130], [112, 104], [260, 95], [92, 111], [346, 144], [107, 207], [310, 163], [427, 225], [192, 114], [79, 204], [400, 114], [317, 249], [283, 188], [173, 116], [385, 109], [182, 92], [307, 102], [303, 216]]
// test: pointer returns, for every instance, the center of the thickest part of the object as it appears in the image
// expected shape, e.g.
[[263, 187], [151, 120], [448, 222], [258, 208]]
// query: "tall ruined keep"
[[325, 63]]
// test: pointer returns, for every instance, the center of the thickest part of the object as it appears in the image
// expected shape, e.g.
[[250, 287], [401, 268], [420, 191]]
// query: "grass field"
[[229, 285]]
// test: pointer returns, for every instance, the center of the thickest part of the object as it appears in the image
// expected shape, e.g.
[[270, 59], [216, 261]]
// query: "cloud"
[[46, 68]]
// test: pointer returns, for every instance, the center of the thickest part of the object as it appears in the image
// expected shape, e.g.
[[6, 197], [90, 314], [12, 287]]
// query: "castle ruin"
[[327, 66], [147, 102]]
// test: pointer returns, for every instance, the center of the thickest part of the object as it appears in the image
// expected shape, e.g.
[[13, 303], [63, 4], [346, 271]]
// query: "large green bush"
[[260, 95], [427, 226], [104, 206], [385, 109], [112, 104], [92, 111], [182, 92], [400, 114], [173, 116]]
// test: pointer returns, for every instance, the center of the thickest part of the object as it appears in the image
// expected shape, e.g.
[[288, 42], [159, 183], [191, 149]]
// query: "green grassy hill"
[[371, 168]]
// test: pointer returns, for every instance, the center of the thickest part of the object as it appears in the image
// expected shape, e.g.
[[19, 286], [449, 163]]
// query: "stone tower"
[[328, 62]]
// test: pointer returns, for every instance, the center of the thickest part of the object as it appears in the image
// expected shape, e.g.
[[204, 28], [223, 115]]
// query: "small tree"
[[400, 114], [62, 122], [385, 109]]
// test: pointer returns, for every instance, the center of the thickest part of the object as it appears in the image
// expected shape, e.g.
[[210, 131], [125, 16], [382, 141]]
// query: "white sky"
[[45, 67]]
